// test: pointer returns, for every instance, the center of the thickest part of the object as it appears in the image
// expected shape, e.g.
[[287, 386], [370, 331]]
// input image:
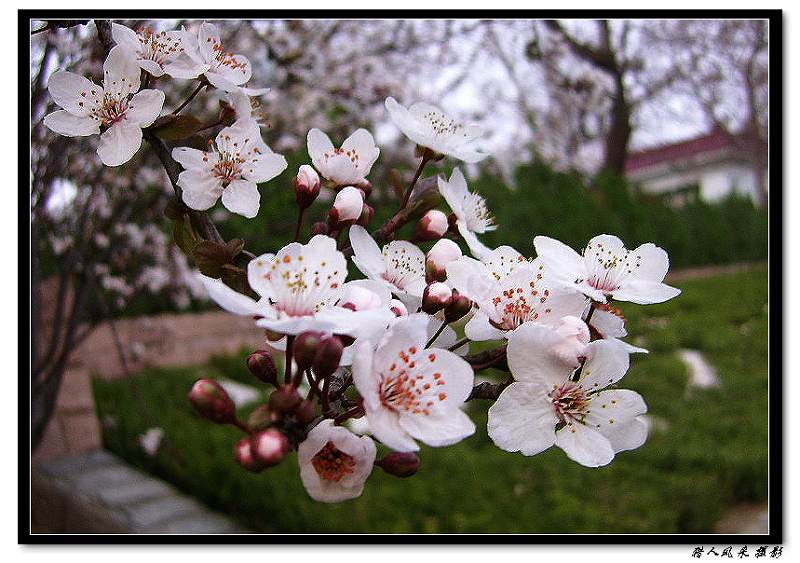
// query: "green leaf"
[[177, 127], [183, 234]]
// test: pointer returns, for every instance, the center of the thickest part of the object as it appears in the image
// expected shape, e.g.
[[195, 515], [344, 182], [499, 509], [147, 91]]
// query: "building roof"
[[715, 141]]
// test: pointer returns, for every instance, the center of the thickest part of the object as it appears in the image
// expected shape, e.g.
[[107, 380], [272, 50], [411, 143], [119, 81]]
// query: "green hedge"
[[711, 456]]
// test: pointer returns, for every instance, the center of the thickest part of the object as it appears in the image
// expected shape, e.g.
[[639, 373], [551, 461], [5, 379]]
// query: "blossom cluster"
[[377, 362]]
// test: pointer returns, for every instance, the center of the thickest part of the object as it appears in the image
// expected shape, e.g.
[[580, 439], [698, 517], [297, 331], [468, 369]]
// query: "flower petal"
[[201, 189], [363, 144], [385, 426], [561, 260], [151, 67], [194, 158], [454, 191], [144, 107], [121, 74], [530, 356], [119, 143], [69, 90], [318, 144], [367, 255], [584, 445], [653, 262], [264, 167], [522, 419], [70, 125], [439, 430], [242, 197], [479, 328], [476, 247], [230, 300], [606, 362], [259, 277], [645, 292], [126, 37], [614, 414]]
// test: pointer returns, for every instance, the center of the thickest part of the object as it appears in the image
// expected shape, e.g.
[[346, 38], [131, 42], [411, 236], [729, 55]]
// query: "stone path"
[[96, 492]]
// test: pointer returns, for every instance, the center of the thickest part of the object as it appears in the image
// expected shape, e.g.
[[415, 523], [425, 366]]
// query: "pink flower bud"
[[328, 355], [306, 411], [212, 402], [366, 188], [436, 297], [269, 447], [398, 308], [442, 253], [432, 226], [347, 206], [244, 456], [305, 348], [306, 186], [357, 298], [574, 338], [458, 308], [400, 464], [261, 364], [284, 399], [261, 418]]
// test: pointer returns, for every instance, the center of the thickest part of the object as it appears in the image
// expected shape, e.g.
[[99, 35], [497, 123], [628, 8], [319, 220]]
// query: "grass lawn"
[[707, 450]]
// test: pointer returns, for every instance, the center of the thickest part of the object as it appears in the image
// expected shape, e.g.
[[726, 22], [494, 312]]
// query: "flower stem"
[[458, 344], [436, 334], [425, 159], [352, 413], [300, 215], [189, 99], [289, 348]]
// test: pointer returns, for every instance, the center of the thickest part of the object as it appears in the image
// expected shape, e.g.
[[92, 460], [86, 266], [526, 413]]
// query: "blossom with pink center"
[[300, 289], [232, 168], [400, 266], [88, 108], [608, 322], [153, 51], [411, 392], [553, 403], [347, 165], [607, 268], [205, 55], [430, 127], [510, 291], [334, 462]]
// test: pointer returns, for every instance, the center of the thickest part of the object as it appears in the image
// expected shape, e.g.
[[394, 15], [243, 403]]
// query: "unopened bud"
[[398, 308], [459, 307], [347, 207], [400, 464], [442, 253], [261, 418], [320, 228], [358, 298], [328, 355], [269, 447], [436, 297], [432, 226], [306, 186], [305, 348], [284, 399], [367, 214], [261, 364], [575, 336], [243, 453], [212, 402], [306, 411]]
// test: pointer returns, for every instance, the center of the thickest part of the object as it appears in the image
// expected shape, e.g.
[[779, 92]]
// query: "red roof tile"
[[714, 141]]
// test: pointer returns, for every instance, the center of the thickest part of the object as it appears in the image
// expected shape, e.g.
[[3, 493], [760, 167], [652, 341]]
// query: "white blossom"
[[241, 161], [334, 462], [299, 289], [549, 405], [347, 165], [349, 203], [400, 266], [410, 391], [607, 268], [429, 127], [510, 291], [470, 210], [87, 107], [153, 51]]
